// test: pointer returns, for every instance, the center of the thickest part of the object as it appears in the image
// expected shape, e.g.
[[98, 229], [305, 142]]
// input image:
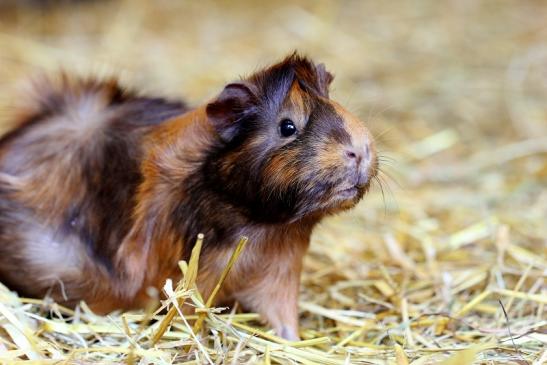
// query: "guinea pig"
[[103, 191]]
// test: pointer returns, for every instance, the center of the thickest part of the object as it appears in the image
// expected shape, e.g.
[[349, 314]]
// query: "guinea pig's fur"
[[103, 191]]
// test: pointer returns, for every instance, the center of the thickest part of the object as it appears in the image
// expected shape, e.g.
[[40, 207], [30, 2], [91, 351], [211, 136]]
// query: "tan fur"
[[360, 135], [160, 169], [266, 277]]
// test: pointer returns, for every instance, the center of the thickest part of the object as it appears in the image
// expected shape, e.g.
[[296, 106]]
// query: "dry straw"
[[447, 267]]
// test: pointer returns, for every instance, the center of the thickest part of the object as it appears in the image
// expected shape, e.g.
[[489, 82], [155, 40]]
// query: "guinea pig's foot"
[[289, 333]]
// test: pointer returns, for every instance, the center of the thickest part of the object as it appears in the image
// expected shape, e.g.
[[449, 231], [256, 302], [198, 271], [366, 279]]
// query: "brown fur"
[[102, 192]]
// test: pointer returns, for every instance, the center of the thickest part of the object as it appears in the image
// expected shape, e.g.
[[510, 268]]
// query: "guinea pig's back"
[[69, 172]]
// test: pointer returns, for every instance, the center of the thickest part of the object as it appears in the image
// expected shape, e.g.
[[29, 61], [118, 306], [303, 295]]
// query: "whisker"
[[372, 115], [388, 163], [383, 133], [388, 187], [385, 157], [380, 154], [388, 175], [379, 182], [389, 192]]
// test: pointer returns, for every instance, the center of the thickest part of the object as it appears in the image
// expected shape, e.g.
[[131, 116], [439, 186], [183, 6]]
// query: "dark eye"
[[287, 128]]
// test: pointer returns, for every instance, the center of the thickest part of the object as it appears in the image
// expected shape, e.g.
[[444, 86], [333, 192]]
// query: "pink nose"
[[356, 156]]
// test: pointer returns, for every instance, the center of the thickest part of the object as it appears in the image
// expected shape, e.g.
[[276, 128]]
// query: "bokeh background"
[[454, 91]]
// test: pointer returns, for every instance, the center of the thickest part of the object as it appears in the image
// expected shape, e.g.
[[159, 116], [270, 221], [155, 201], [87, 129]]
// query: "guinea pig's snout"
[[354, 155], [359, 159]]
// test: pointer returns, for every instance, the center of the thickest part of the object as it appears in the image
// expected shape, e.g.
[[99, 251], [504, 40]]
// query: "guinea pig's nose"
[[354, 154]]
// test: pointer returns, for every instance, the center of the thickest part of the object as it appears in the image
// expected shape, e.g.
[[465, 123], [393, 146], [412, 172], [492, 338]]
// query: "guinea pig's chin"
[[344, 199]]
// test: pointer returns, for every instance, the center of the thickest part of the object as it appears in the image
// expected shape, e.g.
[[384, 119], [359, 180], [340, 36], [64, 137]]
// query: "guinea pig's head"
[[286, 150]]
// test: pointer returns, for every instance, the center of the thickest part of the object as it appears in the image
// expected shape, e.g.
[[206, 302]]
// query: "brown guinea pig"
[[102, 191]]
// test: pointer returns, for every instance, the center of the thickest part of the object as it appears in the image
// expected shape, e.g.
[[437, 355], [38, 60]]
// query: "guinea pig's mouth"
[[339, 198], [347, 193], [355, 187], [350, 191]]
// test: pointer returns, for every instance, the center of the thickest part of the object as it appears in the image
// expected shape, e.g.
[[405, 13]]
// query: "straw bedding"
[[445, 262]]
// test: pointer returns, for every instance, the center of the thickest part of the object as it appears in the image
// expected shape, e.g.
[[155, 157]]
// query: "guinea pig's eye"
[[287, 128]]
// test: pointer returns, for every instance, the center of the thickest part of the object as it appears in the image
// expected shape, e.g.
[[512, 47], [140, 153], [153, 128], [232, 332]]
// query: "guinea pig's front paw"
[[289, 333], [277, 303]]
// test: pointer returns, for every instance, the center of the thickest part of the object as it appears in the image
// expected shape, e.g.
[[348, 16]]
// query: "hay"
[[447, 266]]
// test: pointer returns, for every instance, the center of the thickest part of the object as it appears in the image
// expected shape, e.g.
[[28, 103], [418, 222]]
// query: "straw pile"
[[446, 265]]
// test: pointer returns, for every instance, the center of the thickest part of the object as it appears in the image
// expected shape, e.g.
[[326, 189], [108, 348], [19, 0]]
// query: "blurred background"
[[455, 92]]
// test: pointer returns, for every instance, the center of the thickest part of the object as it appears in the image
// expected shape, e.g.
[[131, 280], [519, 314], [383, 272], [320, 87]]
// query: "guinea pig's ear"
[[234, 103], [324, 78]]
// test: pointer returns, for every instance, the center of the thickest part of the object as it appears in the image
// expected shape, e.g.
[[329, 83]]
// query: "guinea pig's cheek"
[[328, 157], [281, 171], [331, 170]]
